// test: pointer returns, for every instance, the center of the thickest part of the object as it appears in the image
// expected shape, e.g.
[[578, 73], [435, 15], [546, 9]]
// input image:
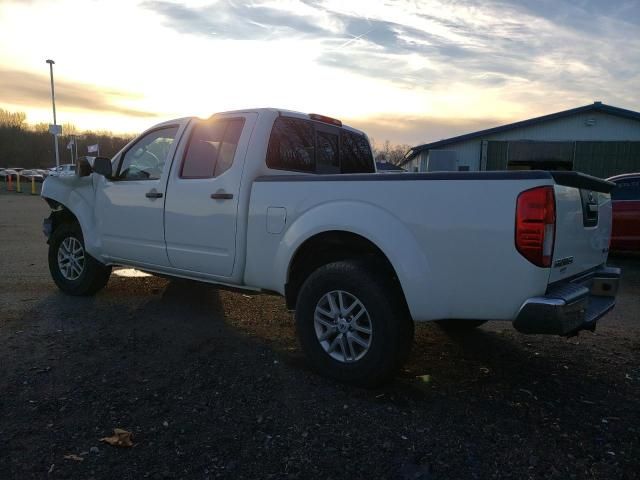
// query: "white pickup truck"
[[290, 203]]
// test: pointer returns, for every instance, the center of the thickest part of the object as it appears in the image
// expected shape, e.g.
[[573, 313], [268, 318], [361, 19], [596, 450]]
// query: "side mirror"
[[83, 167], [102, 166]]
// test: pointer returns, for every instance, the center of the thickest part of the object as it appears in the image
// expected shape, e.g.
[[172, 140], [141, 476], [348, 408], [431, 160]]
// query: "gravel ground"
[[212, 385]]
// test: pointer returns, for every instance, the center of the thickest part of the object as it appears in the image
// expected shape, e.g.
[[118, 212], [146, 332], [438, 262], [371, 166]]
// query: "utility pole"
[[55, 130], [72, 140]]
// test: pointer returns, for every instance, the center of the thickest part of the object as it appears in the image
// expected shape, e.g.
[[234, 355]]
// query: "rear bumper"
[[568, 307]]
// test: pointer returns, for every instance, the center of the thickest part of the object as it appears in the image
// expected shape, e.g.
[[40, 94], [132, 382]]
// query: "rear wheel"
[[351, 323], [456, 325], [73, 270]]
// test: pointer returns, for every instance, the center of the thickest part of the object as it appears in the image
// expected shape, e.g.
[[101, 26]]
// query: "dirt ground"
[[212, 385]]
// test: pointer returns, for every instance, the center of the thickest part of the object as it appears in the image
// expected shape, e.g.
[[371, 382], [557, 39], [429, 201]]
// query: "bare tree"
[[389, 152], [12, 119], [40, 127], [30, 146]]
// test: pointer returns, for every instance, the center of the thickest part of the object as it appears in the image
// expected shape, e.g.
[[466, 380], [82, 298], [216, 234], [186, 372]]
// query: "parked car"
[[64, 169], [8, 172], [260, 199], [625, 197], [27, 175]]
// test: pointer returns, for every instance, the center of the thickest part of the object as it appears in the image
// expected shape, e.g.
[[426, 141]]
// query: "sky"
[[406, 71]]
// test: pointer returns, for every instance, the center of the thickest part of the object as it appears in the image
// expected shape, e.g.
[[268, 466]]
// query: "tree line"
[[389, 152], [32, 146]]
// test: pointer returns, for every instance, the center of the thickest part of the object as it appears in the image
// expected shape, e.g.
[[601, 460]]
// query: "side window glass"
[[146, 159], [626, 189], [356, 154], [229, 146], [203, 150], [211, 148], [615, 193], [291, 145], [327, 159]]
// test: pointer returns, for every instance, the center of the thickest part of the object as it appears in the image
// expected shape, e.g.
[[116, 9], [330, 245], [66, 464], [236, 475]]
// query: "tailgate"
[[583, 223]]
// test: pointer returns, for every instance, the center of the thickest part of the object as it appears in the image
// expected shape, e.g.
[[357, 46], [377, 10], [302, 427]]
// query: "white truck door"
[[130, 205], [203, 195]]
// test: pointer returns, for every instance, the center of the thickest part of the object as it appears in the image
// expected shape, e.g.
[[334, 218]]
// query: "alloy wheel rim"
[[343, 326], [71, 258]]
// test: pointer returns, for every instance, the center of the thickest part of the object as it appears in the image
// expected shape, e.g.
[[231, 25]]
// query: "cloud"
[[570, 49], [413, 130], [491, 60], [377, 65], [26, 88], [231, 20]]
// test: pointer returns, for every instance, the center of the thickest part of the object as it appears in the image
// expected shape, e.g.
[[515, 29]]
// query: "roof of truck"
[[285, 113]]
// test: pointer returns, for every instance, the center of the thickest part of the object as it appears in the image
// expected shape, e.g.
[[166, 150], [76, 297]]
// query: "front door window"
[[146, 159]]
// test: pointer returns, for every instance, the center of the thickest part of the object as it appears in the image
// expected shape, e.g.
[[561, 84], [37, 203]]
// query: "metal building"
[[597, 139]]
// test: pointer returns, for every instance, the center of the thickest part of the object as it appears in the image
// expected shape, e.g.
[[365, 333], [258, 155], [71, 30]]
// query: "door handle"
[[153, 194], [222, 196]]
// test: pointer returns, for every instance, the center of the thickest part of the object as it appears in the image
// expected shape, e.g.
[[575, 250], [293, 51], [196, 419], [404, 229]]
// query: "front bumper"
[[571, 306]]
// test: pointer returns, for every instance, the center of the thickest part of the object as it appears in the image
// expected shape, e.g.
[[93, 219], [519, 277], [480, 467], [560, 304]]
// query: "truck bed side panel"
[[450, 242]]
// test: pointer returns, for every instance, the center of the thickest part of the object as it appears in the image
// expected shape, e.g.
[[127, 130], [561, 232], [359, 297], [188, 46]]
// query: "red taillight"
[[536, 225]]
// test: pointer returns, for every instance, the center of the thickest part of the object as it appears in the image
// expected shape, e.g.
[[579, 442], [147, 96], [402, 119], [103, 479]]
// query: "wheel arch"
[[74, 197], [382, 231], [332, 246], [74, 212], [60, 214]]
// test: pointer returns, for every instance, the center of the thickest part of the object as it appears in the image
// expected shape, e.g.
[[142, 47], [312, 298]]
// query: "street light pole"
[[53, 101]]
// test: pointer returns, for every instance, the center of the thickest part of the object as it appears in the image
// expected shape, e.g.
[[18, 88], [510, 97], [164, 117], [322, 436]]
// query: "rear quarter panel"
[[451, 242]]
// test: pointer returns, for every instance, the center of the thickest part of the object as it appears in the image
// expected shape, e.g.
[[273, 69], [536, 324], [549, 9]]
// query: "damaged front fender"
[[72, 198]]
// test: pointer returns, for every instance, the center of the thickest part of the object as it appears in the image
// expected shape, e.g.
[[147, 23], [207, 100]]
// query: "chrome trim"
[[568, 307]]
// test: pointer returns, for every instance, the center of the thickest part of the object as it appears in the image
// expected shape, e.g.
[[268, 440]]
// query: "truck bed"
[[458, 226]]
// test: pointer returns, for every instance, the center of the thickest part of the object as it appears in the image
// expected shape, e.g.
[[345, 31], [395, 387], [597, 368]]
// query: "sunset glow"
[[407, 71]]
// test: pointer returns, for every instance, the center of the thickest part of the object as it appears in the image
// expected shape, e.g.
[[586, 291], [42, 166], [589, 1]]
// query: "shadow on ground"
[[212, 384]]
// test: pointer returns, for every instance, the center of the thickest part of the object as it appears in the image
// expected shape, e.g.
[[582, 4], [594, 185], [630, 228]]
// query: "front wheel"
[[352, 324], [73, 270]]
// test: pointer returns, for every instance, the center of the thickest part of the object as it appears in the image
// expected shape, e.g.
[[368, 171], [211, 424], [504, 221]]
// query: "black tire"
[[455, 325], [391, 326], [93, 276]]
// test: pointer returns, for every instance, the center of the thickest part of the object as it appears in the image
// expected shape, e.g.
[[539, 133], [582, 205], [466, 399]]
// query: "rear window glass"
[[291, 146], [328, 154], [297, 145], [211, 148], [356, 154], [626, 189]]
